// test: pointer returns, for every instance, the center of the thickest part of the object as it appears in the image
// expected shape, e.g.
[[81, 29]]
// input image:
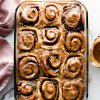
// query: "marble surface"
[[93, 7]]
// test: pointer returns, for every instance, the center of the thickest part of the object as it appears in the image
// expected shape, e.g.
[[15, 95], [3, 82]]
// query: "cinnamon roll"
[[72, 17], [27, 38], [49, 89], [75, 42], [51, 63], [74, 66], [73, 90], [28, 66], [52, 37], [26, 90], [51, 15], [29, 13]]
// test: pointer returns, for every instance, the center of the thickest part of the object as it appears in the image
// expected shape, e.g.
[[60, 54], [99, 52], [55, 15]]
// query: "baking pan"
[[51, 51]]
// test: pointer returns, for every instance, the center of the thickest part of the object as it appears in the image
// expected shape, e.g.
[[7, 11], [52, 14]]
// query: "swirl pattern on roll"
[[28, 67], [27, 38], [73, 90], [51, 15], [75, 42], [72, 17], [51, 12], [51, 37], [74, 66], [51, 63], [49, 89], [26, 90], [29, 13]]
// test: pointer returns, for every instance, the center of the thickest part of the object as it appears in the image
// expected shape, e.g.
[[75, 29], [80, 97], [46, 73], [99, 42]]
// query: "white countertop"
[[93, 7]]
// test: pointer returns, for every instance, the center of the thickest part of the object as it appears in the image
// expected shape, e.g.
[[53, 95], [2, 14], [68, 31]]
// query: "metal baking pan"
[[51, 51]]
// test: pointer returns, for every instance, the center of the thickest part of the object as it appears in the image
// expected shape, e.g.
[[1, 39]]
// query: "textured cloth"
[[6, 62], [7, 12]]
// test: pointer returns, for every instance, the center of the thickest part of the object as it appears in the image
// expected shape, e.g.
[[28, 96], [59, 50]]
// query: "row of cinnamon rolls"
[[70, 15], [51, 89], [54, 63], [30, 38]]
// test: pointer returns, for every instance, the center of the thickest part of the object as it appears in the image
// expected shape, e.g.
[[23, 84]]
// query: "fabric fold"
[[6, 62], [7, 12]]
